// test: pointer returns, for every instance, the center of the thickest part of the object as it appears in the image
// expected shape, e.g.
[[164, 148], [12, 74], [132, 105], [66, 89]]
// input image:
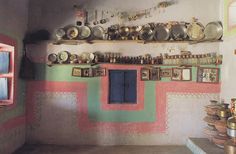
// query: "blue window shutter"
[[116, 86], [130, 86], [3, 89], [4, 62]]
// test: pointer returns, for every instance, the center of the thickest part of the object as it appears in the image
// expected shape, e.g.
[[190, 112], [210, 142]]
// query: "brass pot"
[[134, 32], [230, 146], [231, 123], [124, 32], [224, 111]]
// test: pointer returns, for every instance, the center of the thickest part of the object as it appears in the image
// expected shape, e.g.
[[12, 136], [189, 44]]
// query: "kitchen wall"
[[227, 48], [62, 109], [13, 24]]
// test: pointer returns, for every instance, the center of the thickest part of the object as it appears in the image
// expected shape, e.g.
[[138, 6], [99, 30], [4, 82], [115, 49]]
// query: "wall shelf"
[[146, 65], [77, 42]]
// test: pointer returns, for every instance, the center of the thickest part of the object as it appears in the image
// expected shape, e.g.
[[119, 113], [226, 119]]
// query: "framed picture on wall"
[[186, 74], [99, 72], [145, 74], [176, 74], [165, 73], [77, 72], [208, 75], [155, 74]]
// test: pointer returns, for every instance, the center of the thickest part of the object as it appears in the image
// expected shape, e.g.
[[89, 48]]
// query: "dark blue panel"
[[130, 86], [4, 62], [3, 89], [116, 86]]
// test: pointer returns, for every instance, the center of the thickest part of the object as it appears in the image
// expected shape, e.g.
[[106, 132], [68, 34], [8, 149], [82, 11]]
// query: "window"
[[122, 86], [7, 70]]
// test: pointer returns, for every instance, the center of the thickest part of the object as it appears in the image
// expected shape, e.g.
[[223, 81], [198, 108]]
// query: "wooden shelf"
[[94, 64], [77, 42]]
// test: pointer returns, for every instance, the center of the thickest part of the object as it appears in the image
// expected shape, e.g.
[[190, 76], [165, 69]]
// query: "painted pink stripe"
[[13, 123], [104, 88]]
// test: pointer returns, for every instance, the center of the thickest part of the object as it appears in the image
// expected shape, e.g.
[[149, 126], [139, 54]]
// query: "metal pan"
[[98, 33], [213, 31], [179, 31], [85, 32], [60, 33], [147, 33], [162, 32], [72, 32], [195, 31]]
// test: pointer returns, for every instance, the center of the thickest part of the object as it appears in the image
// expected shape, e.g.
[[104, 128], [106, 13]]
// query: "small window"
[[7, 69], [122, 86]]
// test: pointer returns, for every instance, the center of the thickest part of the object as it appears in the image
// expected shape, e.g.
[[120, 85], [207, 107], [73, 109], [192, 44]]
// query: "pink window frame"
[[8, 44]]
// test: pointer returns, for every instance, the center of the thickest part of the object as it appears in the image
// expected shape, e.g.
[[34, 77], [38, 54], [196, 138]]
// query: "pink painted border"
[[86, 125], [13, 123], [105, 88], [41, 86]]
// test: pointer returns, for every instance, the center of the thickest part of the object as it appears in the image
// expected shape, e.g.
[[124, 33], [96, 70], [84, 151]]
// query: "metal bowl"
[[231, 132]]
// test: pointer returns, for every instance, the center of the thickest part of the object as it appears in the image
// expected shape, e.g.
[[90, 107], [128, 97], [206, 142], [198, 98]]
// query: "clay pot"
[[210, 133], [220, 140], [221, 126], [210, 120], [213, 108]]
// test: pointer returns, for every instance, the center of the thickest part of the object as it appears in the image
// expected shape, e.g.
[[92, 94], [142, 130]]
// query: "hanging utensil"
[[96, 18], [86, 23], [195, 30], [103, 21]]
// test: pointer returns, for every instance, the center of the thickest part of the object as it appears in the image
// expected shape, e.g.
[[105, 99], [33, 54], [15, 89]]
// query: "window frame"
[[8, 44]]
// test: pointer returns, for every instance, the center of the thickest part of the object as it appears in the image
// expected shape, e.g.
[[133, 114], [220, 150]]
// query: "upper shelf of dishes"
[[171, 32]]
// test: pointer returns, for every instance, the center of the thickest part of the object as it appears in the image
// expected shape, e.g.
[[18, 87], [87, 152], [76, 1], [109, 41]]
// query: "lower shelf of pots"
[[203, 146]]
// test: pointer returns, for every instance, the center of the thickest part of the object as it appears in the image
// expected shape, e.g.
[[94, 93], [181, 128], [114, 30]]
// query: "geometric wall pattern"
[[92, 117]]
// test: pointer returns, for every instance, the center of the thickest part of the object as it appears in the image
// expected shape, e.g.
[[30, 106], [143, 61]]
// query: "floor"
[[52, 149]]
